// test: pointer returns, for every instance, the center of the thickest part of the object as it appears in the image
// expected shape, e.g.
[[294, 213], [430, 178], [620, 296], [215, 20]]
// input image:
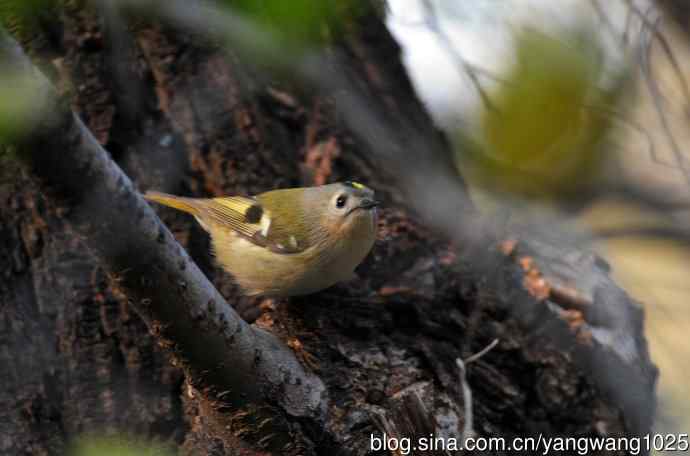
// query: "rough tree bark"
[[177, 114]]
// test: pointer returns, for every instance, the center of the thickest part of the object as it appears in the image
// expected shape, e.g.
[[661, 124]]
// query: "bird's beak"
[[367, 203]]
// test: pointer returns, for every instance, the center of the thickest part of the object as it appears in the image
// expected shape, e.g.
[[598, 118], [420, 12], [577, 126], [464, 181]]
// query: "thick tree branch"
[[225, 358]]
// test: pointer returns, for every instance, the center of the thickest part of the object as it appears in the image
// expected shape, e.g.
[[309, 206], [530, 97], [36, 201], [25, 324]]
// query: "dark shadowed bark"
[[107, 326], [678, 10]]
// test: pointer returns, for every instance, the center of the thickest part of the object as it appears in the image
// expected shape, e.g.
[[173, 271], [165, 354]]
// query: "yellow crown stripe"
[[356, 185]]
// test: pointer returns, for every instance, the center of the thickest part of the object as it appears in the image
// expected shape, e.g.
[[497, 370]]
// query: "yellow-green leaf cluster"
[[21, 17], [18, 105], [116, 446], [301, 23], [543, 133]]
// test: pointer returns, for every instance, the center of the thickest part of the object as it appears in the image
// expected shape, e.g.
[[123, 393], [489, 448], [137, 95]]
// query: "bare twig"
[[604, 18], [620, 118], [674, 233], [645, 47], [462, 64], [468, 426], [482, 352], [653, 26]]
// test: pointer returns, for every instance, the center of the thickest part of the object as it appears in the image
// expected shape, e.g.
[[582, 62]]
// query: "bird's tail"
[[189, 205]]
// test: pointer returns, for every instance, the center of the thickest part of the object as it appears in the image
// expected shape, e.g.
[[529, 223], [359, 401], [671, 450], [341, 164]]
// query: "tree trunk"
[[179, 115]]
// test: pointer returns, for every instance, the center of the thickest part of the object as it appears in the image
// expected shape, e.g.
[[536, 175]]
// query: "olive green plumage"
[[290, 241]]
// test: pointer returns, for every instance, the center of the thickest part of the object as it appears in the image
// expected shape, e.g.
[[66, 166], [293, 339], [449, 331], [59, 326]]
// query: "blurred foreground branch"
[[397, 132]]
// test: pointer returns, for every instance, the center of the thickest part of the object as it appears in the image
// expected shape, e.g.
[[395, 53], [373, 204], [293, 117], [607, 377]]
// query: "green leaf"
[[545, 133], [116, 446], [18, 105], [303, 23], [21, 17]]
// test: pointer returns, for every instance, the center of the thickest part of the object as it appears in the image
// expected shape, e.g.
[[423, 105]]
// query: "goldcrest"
[[287, 242]]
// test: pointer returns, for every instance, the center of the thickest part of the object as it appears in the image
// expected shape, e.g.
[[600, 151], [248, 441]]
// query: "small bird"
[[287, 242]]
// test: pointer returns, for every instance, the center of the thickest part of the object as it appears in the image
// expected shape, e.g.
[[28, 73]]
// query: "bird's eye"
[[341, 201]]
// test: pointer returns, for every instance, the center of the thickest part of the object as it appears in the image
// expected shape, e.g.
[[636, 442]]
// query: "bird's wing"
[[247, 217]]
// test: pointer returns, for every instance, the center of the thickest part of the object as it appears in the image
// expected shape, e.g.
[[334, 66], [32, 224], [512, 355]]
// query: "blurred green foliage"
[[302, 23], [17, 105], [22, 17], [24, 8], [543, 135], [116, 446]]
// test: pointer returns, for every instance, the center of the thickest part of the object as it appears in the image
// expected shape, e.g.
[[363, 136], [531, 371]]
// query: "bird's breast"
[[261, 271]]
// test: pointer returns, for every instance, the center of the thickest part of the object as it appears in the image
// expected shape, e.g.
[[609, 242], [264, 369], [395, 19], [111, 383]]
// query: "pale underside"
[[274, 274]]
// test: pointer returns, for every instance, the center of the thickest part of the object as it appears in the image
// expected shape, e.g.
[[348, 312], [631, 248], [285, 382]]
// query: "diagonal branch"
[[223, 356]]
